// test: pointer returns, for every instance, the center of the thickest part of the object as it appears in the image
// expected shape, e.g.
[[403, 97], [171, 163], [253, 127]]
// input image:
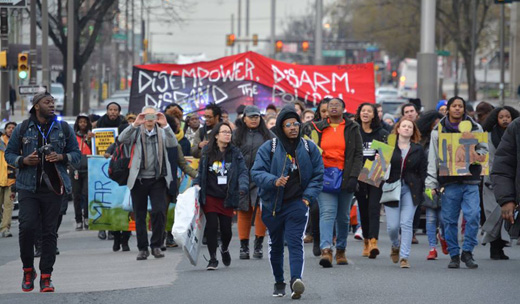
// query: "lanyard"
[[43, 135]]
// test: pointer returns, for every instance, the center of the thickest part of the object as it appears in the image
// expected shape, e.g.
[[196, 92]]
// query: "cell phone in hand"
[[150, 117]]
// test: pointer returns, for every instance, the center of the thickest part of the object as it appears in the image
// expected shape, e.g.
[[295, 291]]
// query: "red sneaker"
[[432, 255], [444, 245], [28, 279], [46, 283]]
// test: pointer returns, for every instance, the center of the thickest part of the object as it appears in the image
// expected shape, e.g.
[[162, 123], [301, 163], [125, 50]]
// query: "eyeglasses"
[[225, 132], [294, 124]]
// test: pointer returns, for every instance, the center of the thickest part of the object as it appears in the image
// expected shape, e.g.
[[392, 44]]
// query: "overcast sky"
[[206, 27]]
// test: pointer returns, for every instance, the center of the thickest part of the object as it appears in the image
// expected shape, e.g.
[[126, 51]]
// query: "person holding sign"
[[150, 176], [368, 196], [460, 192], [224, 185], [288, 171]]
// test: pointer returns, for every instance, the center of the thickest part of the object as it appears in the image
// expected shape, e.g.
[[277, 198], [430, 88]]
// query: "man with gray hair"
[[150, 176]]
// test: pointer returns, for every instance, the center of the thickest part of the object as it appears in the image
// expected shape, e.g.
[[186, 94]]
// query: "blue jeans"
[[459, 197], [289, 224], [433, 220], [401, 217], [334, 208]]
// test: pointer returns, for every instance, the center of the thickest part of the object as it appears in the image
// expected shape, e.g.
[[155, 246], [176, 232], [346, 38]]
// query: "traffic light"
[[3, 59], [394, 74], [255, 39], [23, 65], [230, 39], [279, 46], [305, 46]]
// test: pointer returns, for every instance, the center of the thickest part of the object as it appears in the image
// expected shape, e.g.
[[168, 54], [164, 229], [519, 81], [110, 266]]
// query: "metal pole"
[[125, 58], [318, 35], [32, 47], [247, 24], [4, 83], [273, 25], [69, 105], [471, 66], [502, 46], [143, 36], [426, 58], [239, 25], [133, 36], [232, 31], [45, 45]]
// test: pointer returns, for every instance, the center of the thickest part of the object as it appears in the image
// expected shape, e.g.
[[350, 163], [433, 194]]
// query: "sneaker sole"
[[27, 290], [211, 268], [47, 290], [278, 295], [453, 267], [298, 289]]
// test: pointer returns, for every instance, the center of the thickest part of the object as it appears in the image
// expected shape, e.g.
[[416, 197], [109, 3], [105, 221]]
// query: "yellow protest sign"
[[457, 151], [373, 172], [104, 137]]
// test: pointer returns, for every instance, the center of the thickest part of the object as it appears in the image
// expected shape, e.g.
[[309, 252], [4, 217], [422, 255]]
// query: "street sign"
[[13, 3], [120, 37], [334, 53], [31, 89], [443, 53]]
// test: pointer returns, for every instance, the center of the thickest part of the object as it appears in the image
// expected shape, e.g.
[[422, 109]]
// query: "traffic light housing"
[[394, 74], [3, 59], [23, 65], [255, 39], [305, 46], [279, 46], [230, 39]]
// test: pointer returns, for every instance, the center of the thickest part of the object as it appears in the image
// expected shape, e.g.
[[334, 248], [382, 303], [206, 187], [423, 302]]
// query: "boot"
[[372, 248], [258, 253], [316, 247], [467, 258], [244, 249], [394, 254], [366, 251], [117, 241], [326, 258], [341, 258], [497, 250]]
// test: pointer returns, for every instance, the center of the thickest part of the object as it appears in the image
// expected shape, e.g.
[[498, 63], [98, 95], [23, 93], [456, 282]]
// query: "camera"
[[150, 117], [46, 149]]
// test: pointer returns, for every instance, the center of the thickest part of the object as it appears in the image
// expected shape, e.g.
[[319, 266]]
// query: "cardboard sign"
[[457, 151], [373, 172], [104, 137]]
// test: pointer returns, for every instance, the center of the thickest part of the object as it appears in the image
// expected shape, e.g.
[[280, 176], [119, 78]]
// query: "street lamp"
[[157, 34]]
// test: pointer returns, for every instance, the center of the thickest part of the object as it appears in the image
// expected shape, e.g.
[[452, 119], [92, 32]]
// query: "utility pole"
[[247, 24], [426, 58], [69, 105], [4, 82], [502, 47], [133, 36], [239, 23], [318, 36], [45, 45], [32, 47], [471, 67], [273, 24], [143, 36], [125, 63]]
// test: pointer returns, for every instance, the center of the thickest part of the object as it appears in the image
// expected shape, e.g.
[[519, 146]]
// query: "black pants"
[[11, 103], [315, 219], [122, 236], [212, 224], [40, 208], [80, 193], [369, 198], [156, 190]]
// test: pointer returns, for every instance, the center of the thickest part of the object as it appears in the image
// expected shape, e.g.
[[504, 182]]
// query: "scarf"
[[179, 135], [160, 144], [496, 135]]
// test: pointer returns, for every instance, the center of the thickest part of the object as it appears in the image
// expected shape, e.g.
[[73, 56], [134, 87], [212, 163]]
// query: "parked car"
[[58, 92], [386, 93], [393, 106]]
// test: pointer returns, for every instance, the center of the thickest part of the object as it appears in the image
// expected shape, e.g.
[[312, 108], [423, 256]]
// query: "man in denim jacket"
[[41, 154], [288, 171]]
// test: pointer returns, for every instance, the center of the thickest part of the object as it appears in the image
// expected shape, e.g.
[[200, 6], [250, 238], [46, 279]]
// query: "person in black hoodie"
[[113, 117], [460, 192], [368, 196]]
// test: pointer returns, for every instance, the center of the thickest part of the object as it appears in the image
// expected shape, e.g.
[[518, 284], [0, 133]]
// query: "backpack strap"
[[23, 128], [306, 145]]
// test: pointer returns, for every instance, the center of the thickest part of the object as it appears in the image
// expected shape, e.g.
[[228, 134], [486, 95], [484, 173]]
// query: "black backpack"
[[120, 162]]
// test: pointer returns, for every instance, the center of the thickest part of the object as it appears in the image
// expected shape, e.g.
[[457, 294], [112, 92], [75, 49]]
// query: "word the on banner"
[[373, 172], [105, 199], [457, 151], [248, 78], [104, 137]]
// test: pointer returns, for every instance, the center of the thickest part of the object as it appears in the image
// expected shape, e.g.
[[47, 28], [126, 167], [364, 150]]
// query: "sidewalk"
[[87, 263]]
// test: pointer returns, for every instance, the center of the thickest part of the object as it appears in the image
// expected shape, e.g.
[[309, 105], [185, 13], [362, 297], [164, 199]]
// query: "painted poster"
[[373, 172], [248, 78], [457, 152], [104, 137], [105, 199]]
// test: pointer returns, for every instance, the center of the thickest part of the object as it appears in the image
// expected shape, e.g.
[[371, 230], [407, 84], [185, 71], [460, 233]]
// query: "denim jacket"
[[26, 179]]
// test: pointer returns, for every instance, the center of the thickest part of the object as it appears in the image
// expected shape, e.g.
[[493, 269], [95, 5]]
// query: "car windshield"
[[56, 89]]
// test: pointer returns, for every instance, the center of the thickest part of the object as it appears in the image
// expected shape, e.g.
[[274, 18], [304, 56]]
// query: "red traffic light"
[[230, 39], [305, 46], [279, 45]]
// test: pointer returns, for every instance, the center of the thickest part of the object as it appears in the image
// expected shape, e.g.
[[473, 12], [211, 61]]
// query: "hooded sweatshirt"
[[293, 189]]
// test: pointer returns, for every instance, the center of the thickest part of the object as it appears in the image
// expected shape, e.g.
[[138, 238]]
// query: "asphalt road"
[[87, 271]]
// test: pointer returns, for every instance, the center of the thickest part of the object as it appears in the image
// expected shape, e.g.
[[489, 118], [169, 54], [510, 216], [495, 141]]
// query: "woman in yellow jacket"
[[7, 179]]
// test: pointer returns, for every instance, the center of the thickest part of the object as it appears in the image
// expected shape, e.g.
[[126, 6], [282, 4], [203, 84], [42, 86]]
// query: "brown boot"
[[341, 258], [394, 254], [372, 248], [365, 248], [326, 258]]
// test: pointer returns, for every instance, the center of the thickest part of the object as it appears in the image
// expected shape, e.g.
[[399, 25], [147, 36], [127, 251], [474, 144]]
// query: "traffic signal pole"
[[4, 81], [45, 46], [318, 37], [32, 47]]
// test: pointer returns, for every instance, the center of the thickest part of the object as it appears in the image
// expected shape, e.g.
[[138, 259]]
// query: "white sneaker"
[[359, 234], [297, 289]]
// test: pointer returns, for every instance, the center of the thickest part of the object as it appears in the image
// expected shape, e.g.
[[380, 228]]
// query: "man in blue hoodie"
[[288, 171]]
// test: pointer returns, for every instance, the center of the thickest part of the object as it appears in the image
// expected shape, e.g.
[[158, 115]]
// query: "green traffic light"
[[22, 74]]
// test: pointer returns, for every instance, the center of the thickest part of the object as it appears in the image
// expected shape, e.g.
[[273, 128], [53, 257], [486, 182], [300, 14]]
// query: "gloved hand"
[[352, 184]]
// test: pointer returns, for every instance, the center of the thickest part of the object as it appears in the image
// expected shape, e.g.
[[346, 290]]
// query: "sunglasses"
[[294, 124]]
